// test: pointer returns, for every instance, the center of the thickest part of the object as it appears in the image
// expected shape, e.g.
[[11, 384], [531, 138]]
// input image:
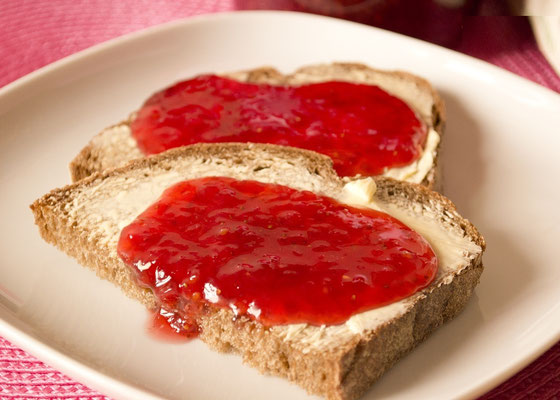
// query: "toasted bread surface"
[[339, 362]]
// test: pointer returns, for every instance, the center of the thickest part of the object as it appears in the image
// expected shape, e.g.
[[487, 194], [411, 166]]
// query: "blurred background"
[[487, 29], [37, 32]]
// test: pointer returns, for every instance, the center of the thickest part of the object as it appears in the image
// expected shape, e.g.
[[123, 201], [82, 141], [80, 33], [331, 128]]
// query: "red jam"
[[270, 252], [361, 127], [167, 326]]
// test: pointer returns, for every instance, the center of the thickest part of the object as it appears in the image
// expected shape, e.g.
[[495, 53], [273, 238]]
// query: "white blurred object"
[[545, 20]]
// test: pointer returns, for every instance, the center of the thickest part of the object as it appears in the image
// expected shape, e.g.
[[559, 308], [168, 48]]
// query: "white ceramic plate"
[[501, 169]]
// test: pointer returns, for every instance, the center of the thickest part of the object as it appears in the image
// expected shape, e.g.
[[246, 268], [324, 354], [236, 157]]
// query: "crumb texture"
[[338, 362]]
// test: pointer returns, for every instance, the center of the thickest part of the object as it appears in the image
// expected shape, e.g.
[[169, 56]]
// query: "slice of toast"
[[338, 361], [115, 145]]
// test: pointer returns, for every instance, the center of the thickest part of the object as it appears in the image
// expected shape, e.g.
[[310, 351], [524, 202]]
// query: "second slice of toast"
[[115, 145]]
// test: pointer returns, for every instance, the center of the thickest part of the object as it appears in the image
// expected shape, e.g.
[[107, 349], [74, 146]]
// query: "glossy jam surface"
[[361, 127], [169, 327], [272, 253]]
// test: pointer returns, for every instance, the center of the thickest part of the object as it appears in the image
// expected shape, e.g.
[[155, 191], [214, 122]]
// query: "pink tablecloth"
[[34, 33]]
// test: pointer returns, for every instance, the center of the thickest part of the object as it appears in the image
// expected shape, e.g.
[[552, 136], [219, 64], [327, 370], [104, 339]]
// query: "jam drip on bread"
[[271, 253], [362, 128]]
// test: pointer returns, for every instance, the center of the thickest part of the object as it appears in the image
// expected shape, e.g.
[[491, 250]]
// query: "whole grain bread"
[[115, 145], [339, 362]]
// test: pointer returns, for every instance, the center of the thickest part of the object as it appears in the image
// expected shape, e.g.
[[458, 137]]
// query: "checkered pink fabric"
[[24, 377], [37, 32]]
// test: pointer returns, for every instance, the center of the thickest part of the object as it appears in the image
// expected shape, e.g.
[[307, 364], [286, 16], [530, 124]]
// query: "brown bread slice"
[[115, 145], [339, 362]]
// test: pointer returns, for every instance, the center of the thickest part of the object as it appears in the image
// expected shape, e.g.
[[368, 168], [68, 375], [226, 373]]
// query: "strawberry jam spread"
[[361, 127], [272, 253]]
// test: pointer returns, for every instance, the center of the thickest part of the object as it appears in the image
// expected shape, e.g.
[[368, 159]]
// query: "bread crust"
[[95, 157], [341, 372]]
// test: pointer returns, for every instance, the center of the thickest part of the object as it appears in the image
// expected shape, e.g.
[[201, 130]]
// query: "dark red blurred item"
[[437, 21]]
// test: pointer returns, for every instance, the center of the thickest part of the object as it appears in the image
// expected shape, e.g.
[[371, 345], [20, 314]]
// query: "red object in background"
[[437, 21]]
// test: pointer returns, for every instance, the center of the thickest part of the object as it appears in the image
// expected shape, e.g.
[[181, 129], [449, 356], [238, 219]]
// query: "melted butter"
[[454, 250], [417, 170]]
